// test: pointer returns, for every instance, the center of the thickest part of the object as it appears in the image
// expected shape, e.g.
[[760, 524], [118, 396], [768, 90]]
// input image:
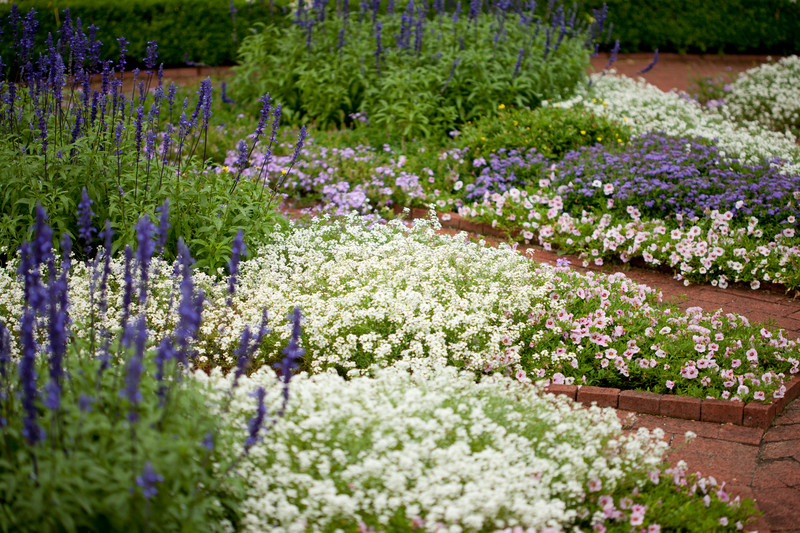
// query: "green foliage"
[[553, 131], [733, 26], [124, 181], [460, 71], [201, 31], [84, 476]]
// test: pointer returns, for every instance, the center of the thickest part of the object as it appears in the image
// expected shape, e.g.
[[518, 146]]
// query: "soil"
[[676, 71]]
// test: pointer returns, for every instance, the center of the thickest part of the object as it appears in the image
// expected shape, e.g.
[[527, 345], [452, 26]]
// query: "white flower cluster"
[[372, 296], [390, 292], [768, 94], [438, 453], [646, 108]]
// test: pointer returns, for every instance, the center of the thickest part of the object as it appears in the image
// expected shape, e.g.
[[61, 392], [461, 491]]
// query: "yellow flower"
[[226, 169], [583, 132], [283, 172], [483, 138], [502, 106], [516, 122], [599, 138]]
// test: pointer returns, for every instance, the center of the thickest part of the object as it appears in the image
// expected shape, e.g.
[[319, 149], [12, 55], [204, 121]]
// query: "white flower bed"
[[372, 296], [768, 94], [440, 452], [646, 108]]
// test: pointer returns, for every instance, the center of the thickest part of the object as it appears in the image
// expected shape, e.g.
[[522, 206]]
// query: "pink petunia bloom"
[[670, 384], [595, 485], [689, 372]]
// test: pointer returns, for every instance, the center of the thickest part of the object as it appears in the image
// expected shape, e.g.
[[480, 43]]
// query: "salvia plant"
[[70, 121], [417, 70], [110, 432]]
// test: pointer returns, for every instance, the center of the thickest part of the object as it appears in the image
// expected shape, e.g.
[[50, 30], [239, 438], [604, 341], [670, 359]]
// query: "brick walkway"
[[753, 462]]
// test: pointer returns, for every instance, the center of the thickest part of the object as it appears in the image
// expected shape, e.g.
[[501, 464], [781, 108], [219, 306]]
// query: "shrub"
[[209, 33], [415, 73], [552, 131]]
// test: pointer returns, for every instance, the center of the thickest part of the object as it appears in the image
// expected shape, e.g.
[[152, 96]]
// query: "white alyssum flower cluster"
[[372, 296], [441, 452], [646, 108], [768, 94]]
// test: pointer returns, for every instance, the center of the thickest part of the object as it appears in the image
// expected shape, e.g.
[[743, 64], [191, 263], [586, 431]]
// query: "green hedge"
[[692, 26], [202, 30]]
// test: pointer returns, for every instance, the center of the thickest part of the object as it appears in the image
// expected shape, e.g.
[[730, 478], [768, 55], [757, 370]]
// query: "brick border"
[[753, 414]]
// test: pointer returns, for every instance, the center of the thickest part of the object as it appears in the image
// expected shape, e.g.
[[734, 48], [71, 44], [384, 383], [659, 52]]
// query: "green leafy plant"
[[415, 74], [552, 131]]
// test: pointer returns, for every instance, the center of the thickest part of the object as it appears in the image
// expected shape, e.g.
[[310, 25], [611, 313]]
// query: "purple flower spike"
[[292, 352], [163, 226], [255, 424], [649, 67], [148, 481], [247, 348], [152, 54], [237, 251], [85, 230], [190, 308], [301, 138], [144, 252], [27, 376], [137, 333]]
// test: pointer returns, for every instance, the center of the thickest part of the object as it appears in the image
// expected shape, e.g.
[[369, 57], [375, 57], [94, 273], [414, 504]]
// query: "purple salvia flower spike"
[[649, 67], [255, 424], [144, 252], [163, 226], [237, 251], [27, 376]]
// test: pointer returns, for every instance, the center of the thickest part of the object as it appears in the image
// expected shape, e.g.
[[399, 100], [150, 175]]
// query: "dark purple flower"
[[224, 94], [58, 320], [266, 110], [27, 376], [85, 402], [151, 54], [378, 48], [134, 334], [292, 353], [208, 441], [237, 251], [520, 56], [255, 424], [123, 48], [205, 93], [242, 161], [190, 307], [163, 226], [248, 344], [5, 350], [301, 137], [613, 57], [86, 230], [144, 252], [127, 291], [474, 8], [651, 65], [148, 481]]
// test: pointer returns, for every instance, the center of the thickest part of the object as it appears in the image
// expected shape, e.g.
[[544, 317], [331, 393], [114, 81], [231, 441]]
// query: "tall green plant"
[[416, 73]]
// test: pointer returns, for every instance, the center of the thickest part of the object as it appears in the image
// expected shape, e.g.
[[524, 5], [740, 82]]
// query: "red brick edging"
[[753, 414]]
